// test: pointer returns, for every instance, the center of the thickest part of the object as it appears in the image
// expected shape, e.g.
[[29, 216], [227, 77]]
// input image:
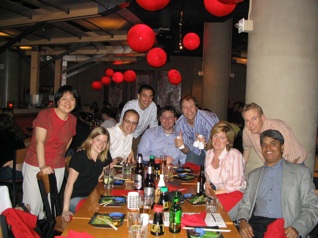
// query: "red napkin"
[[229, 200], [79, 204], [193, 219], [123, 192], [194, 167], [22, 223], [173, 188], [276, 229], [76, 234]]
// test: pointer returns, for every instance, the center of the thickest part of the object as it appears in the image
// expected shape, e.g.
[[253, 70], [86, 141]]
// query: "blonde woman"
[[85, 169]]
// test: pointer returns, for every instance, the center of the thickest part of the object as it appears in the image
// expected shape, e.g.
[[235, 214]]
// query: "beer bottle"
[[139, 174], [149, 185], [201, 181], [175, 215]]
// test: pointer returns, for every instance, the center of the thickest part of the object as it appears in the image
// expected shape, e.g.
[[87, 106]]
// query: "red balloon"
[[118, 77], [174, 77], [156, 57], [129, 76], [231, 1], [109, 72], [105, 80], [97, 85], [140, 38], [191, 41], [218, 9], [153, 5]]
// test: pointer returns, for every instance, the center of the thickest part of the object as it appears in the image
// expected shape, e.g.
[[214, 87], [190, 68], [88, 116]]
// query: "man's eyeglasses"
[[131, 122]]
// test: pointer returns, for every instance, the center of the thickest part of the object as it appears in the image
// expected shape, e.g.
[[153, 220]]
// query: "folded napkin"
[[76, 234], [275, 229], [194, 167], [229, 200], [173, 187], [22, 223], [197, 219]]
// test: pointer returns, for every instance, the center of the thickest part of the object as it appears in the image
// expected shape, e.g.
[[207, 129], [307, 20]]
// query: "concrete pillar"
[[217, 66], [282, 69]]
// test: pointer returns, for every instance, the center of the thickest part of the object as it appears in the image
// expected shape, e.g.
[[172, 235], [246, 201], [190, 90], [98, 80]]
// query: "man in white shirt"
[[121, 136], [108, 117], [147, 111]]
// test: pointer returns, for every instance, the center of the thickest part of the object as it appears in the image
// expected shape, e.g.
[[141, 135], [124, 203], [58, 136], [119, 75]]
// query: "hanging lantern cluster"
[[140, 38]]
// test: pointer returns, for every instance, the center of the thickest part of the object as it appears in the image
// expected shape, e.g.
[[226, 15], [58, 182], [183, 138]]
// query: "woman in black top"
[[85, 169]]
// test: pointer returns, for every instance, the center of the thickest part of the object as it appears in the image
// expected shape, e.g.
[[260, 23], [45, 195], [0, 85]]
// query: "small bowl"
[[197, 232], [188, 195], [118, 200], [182, 175], [119, 182], [116, 215], [180, 170]]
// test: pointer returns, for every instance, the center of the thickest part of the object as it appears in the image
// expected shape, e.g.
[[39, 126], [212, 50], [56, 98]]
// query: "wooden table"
[[84, 214]]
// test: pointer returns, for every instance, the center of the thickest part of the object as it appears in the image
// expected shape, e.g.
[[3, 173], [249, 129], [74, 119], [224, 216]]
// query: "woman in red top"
[[53, 131]]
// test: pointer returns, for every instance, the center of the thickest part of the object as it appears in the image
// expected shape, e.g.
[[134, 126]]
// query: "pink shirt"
[[230, 174], [292, 149]]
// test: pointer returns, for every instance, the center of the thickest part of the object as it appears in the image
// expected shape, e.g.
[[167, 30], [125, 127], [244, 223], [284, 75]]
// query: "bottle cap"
[[158, 208], [164, 189]]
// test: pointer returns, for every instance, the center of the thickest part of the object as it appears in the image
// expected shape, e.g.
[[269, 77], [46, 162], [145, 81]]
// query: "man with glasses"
[[256, 123], [159, 141], [121, 136], [147, 111]]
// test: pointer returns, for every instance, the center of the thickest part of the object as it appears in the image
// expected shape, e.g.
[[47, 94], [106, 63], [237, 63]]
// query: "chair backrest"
[[51, 201], [5, 198], [4, 227]]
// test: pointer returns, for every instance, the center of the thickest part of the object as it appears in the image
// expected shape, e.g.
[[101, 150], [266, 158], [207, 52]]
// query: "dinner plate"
[[102, 219], [111, 200], [194, 199], [197, 232], [187, 177], [183, 170]]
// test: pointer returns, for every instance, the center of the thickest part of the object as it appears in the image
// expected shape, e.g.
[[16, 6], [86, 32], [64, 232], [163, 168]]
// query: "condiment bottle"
[[157, 168], [139, 174], [164, 199], [175, 215], [161, 183], [157, 227], [201, 181]]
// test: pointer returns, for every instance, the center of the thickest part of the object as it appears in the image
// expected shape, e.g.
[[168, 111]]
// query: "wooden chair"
[[53, 209], [18, 159]]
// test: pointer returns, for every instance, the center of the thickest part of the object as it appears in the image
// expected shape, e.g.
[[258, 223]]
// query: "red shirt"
[[59, 133]]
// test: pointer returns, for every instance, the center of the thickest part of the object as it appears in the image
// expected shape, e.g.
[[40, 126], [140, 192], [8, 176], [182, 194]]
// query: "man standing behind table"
[[159, 140], [193, 125], [121, 137], [279, 189], [147, 111], [108, 118], [256, 123]]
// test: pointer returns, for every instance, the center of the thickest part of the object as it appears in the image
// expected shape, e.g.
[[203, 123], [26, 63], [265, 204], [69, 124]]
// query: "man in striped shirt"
[[192, 125]]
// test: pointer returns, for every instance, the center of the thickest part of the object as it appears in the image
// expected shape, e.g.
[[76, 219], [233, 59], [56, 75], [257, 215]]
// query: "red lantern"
[[191, 41], [97, 85], [153, 5], [156, 57], [174, 77], [231, 1], [129, 76], [218, 9], [118, 77], [109, 72], [140, 38], [105, 80]]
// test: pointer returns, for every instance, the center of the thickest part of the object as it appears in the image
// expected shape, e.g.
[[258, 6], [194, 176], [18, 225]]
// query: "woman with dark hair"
[[85, 169], [53, 131]]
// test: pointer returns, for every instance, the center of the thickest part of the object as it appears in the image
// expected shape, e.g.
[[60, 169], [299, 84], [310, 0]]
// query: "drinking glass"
[[126, 171], [211, 204], [109, 178], [138, 231]]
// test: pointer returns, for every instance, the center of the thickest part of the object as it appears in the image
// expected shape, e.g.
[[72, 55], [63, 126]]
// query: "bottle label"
[[138, 181], [198, 187], [149, 191], [157, 229], [165, 205]]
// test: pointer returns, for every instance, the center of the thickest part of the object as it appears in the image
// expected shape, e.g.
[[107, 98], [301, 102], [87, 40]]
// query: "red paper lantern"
[[105, 80], [218, 9], [231, 1], [153, 5], [118, 77], [97, 85], [156, 57], [174, 77], [140, 38], [191, 41], [109, 72], [129, 76]]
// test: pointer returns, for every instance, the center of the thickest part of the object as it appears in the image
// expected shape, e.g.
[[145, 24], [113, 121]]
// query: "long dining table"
[[80, 220]]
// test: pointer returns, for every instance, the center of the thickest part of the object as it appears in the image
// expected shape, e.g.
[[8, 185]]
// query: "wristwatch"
[[239, 220]]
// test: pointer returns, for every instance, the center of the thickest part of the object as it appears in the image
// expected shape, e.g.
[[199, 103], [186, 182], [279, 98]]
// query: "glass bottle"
[[161, 183], [156, 170], [157, 227], [151, 161], [139, 174], [164, 199], [175, 215], [149, 187], [201, 181]]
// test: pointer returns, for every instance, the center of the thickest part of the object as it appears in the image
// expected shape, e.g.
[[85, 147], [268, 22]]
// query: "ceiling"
[[96, 30]]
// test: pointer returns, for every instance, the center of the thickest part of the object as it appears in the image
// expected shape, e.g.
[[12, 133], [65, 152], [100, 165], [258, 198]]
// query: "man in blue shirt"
[[279, 189], [193, 124], [159, 141]]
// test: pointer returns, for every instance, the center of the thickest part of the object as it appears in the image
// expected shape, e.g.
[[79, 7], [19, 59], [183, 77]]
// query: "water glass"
[[138, 231], [126, 171], [109, 178], [211, 204]]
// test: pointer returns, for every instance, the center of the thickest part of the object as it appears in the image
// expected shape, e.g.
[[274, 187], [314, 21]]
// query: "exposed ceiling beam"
[[16, 8], [75, 66], [61, 8], [83, 69]]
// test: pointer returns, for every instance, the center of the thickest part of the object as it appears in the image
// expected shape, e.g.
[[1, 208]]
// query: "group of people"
[[282, 188]]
